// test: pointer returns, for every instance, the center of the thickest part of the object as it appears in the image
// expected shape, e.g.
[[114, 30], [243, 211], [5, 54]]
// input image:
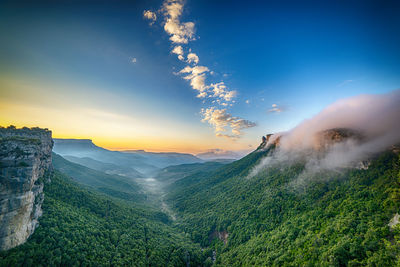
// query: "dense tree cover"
[[338, 219], [334, 219], [80, 227]]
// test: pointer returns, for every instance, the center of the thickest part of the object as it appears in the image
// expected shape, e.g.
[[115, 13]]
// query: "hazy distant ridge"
[[137, 161]]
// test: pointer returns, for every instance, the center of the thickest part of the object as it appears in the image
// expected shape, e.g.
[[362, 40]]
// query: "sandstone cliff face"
[[25, 159]]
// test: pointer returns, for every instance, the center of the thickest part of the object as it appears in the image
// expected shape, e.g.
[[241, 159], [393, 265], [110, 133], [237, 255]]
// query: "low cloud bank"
[[375, 117]]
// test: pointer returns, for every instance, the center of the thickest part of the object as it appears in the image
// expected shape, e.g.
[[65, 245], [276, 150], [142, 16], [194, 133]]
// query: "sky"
[[189, 76]]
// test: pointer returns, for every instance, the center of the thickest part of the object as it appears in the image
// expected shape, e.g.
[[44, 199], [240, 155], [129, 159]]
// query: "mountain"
[[270, 210], [136, 160], [171, 173], [108, 168], [291, 202], [217, 154], [87, 217], [163, 159], [81, 227], [114, 185], [84, 148]]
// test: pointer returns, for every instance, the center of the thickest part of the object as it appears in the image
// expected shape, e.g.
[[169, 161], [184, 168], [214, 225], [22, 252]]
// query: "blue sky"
[[71, 56]]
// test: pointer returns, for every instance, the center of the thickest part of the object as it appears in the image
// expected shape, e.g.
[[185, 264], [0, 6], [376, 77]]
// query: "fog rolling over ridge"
[[373, 122]]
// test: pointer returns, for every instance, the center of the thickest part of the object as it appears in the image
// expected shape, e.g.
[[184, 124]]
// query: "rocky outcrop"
[[25, 160], [327, 138], [269, 140], [321, 141], [394, 221], [223, 236]]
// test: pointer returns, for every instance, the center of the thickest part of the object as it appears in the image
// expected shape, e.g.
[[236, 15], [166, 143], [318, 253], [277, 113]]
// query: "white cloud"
[[198, 83], [192, 58], [220, 90], [194, 71], [133, 60], [275, 109], [197, 77], [229, 95], [147, 14], [179, 51], [373, 120], [179, 32], [223, 122]]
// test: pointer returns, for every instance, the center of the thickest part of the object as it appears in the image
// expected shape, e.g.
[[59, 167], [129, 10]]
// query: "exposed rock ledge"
[[25, 158]]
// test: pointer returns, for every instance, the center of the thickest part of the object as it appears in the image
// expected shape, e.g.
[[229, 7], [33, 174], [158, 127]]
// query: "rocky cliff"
[[25, 160], [321, 141]]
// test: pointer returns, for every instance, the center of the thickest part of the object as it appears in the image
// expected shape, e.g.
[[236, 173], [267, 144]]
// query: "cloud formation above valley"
[[375, 120], [180, 34], [225, 124], [376, 116]]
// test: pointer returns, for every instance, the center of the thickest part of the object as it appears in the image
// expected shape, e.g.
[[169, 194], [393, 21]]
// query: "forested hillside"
[[111, 184], [80, 227], [338, 219], [222, 216]]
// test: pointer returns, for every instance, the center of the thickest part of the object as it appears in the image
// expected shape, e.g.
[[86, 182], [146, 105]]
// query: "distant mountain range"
[[217, 154], [111, 184], [128, 163]]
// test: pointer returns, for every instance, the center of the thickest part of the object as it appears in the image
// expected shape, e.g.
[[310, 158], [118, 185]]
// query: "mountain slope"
[[163, 159], [114, 185], [339, 219], [82, 148], [174, 172], [108, 168], [81, 227], [144, 162]]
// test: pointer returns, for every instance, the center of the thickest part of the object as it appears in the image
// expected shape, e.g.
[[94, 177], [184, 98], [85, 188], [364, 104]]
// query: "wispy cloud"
[[275, 109], [181, 33], [196, 76], [221, 91], [192, 58], [344, 83], [150, 16], [179, 51], [225, 125]]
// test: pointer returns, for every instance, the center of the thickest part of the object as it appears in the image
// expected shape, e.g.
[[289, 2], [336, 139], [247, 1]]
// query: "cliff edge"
[[25, 159]]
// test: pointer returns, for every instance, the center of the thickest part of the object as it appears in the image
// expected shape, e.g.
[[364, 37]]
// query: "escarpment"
[[319, 141], [25, 159]]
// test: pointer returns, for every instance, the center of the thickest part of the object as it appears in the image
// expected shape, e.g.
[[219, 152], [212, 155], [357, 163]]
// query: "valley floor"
[[155, 192]]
